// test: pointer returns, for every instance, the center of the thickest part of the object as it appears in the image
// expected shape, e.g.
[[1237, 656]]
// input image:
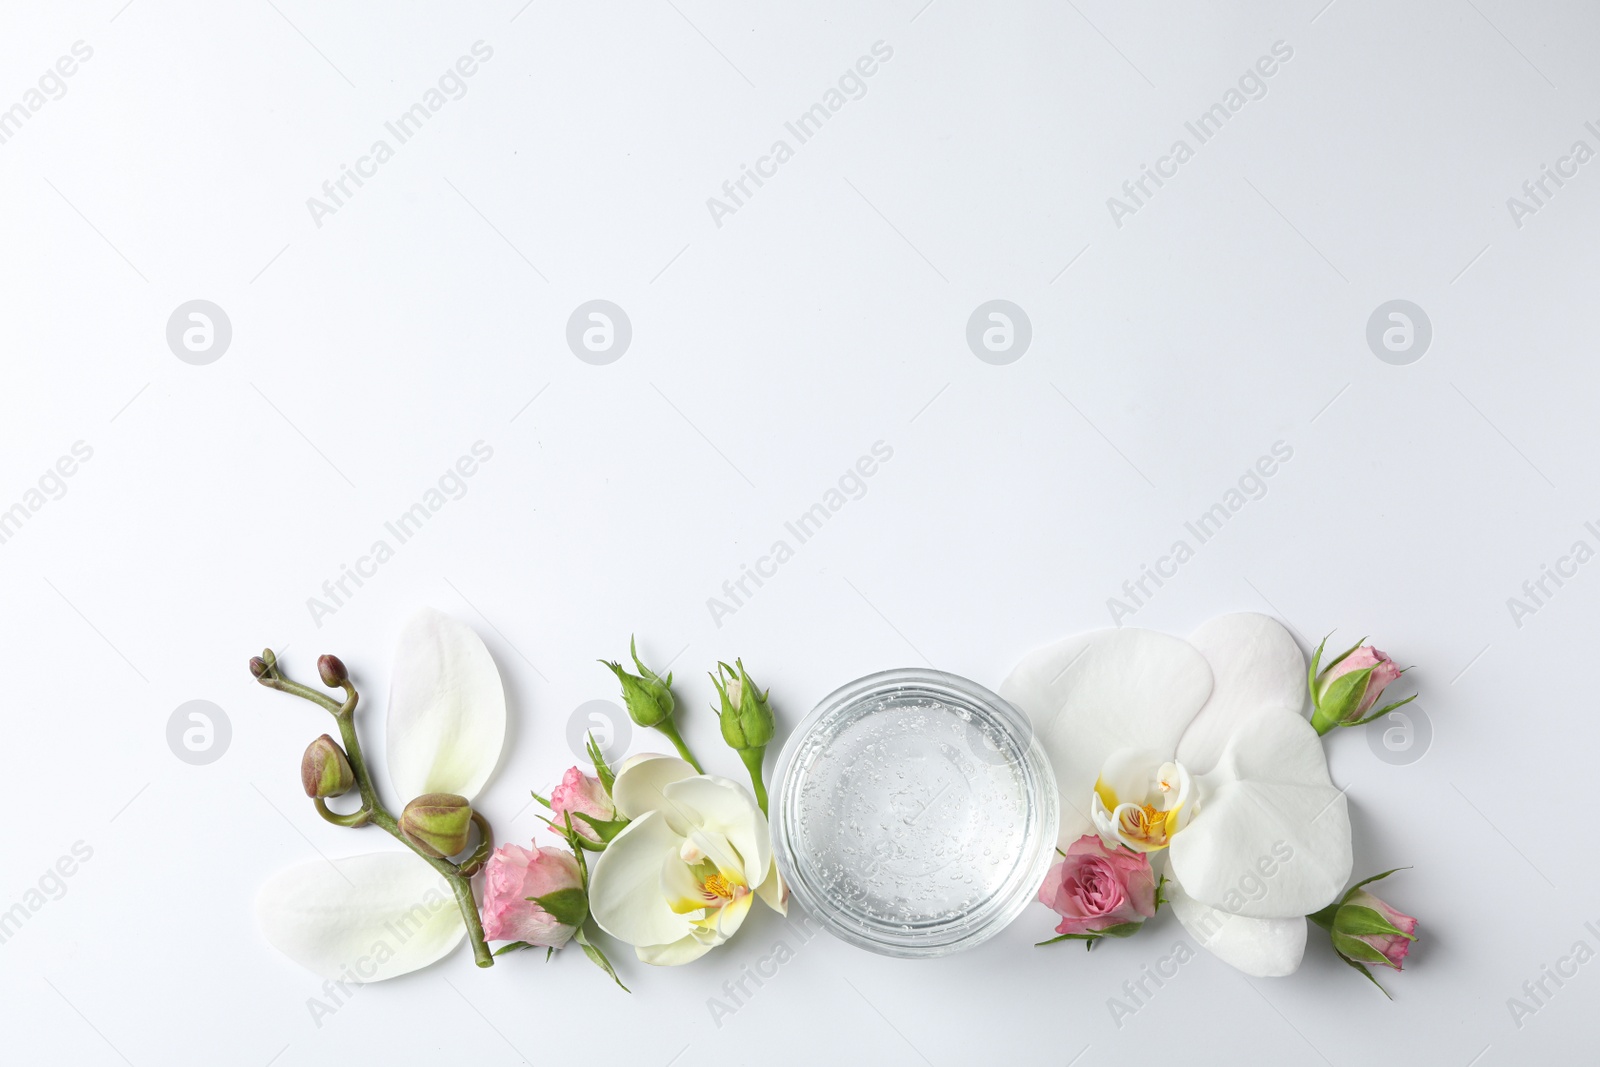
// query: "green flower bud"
[[647, 695], [332, 670], [746, 716], [440, 824], [324, 770]]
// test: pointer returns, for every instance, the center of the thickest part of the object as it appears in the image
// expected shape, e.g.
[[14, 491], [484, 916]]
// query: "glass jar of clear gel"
[[914, 813]]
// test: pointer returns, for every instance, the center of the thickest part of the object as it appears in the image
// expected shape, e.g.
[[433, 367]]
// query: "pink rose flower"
[[511, 876], [1383, 672], [1095, 887], [1391, 946], [579, 792]]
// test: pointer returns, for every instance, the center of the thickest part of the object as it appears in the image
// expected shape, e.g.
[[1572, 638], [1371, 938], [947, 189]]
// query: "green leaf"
[[540, 799], [1311, 672], [599, 958], [569, 907]]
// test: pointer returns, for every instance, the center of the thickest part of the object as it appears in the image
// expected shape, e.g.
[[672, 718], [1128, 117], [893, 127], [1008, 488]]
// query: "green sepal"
[[512, 947], [1362, 968], [1381, 712], [608, 829], [1348, 893], [1090, 938], [569, 907], [598, 958], [1357, 920], [1343, 694], [1353, 948], [602, 769], [1121, 930]]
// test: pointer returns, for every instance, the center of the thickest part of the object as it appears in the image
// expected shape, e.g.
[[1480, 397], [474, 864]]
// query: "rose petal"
[[625, 886], [640, 783], [374, 916], [1095, 693], [1272, 836], [447, 709], [1257, 668], [1262, 948]]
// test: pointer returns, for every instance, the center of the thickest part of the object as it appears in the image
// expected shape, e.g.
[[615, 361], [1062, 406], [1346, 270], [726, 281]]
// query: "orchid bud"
[[324, 769], [746, 716], [332, 670], [258, 667], [440, 824], [1344, 693], [647, 695]]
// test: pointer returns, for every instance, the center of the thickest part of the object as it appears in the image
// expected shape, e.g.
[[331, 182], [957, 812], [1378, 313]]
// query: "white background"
[[770, 352]]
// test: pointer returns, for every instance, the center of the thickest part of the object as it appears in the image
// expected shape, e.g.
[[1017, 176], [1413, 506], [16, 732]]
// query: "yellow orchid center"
[[1157, 809], [717, 885]]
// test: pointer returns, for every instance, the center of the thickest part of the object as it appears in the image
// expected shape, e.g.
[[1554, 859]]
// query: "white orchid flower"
[[680, 879], [375, 916], [1201, 750]]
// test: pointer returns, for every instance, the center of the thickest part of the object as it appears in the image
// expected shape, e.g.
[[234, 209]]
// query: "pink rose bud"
[[551, 877], [1095, 889], [1365, 930], [583, 794], [1348, 688]]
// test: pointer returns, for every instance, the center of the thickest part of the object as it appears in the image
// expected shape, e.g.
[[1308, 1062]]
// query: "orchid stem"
[[372, 809]]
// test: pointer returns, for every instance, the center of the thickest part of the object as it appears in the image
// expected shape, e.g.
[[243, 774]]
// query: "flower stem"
[[670, 728], [374, 811], [752, 758]]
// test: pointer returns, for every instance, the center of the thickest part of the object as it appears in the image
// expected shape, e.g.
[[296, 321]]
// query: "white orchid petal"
[[686, 949], [1272, 837], [1091, 695], [729, 809], [774, 892], [447, 709], [625, 895], [367, 917], [1258, 669], [641, 781], [1261, 948]]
